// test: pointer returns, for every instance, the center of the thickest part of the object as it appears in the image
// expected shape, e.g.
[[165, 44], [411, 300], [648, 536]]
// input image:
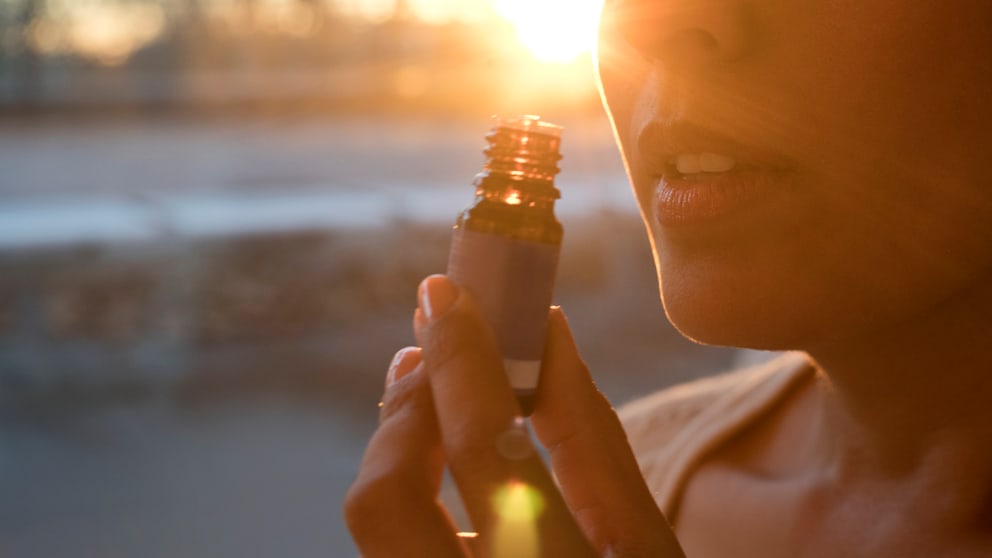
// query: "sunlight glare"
[[518, 507], [553, 30]]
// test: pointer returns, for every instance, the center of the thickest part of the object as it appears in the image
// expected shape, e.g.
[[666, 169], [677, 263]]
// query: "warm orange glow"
[[513, 198], [553, 30], [447, 11], [101, 32]]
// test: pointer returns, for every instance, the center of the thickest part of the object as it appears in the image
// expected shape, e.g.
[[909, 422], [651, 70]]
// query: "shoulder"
[[664, 413], [669, 431]]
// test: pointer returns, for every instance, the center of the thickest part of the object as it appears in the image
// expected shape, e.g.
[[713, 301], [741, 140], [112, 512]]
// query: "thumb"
[[591, 458]]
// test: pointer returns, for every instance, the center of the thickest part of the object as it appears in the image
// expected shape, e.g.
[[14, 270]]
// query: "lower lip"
[[712, 197]]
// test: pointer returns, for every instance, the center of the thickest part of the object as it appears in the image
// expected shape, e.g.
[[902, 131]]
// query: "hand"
[[450, 403]]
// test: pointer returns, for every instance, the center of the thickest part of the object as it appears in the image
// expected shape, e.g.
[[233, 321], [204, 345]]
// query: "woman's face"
[[808, 171]]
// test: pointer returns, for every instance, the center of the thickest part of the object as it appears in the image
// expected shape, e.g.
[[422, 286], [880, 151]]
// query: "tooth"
[[711, 162], [688, 164]]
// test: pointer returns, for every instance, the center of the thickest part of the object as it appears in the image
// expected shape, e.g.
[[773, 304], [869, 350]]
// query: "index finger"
[[392, 504], [487, 449], [586, 441]]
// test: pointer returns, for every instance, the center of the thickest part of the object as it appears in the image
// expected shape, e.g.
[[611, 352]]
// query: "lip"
[[712, 197], [758, 180]]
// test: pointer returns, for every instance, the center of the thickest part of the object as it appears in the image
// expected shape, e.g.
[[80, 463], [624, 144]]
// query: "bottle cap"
[[524, 148]]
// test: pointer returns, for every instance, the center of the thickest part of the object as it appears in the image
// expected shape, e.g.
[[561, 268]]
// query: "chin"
[[736, 310], [723, 328]]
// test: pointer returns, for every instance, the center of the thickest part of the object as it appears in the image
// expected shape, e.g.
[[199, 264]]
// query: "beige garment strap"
[[715, 409]]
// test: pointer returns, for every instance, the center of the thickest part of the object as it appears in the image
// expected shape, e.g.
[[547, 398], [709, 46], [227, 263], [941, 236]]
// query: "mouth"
[[684, 150], [689, 165], [703, 177]]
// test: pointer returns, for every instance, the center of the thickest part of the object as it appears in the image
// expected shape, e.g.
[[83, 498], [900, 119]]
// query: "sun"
[[553, 30]]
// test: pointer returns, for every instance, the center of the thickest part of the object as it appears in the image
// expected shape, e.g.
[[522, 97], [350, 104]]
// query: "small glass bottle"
[[505, 246]]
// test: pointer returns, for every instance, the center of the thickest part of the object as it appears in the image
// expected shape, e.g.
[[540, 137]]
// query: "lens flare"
[[518, 507], [518, 501]]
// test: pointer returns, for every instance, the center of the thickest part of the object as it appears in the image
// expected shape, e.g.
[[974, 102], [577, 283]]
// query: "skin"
[[887, 206], [874, 259], [876, 262], [391, 508]]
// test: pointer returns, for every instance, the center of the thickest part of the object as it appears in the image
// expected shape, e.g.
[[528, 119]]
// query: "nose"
[[680, 33]]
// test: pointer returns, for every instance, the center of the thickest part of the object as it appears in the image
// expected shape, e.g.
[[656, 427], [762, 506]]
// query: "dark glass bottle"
[[505, 245]]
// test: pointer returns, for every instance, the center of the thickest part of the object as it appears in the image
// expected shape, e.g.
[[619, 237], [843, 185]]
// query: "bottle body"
[[504, 251]]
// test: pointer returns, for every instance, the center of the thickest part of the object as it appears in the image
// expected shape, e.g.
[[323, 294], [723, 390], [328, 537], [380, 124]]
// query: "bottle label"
[[512, 281]]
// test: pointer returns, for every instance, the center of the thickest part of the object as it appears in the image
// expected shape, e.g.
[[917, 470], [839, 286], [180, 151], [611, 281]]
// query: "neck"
[[914, 404]]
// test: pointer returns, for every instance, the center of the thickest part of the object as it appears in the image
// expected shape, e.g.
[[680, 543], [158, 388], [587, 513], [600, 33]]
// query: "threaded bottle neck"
[[523, 149]]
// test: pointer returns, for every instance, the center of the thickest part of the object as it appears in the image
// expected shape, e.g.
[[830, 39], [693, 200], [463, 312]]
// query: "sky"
[[553, 30]]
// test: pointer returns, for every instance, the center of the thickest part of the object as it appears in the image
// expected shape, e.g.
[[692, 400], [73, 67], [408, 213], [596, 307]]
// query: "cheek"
[[835, 271], [630, 98], [892, 85], [891, 127]]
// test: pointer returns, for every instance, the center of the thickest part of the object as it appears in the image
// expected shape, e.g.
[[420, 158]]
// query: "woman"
[[813, 177]]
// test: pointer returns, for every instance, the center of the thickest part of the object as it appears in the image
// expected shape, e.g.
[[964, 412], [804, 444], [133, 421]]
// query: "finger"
[[470, 540], [391, 508], [586, 441], [487, 447], [404, 361]]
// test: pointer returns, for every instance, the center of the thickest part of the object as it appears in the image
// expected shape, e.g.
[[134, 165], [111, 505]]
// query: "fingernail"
[[404, 362], [436, 293]]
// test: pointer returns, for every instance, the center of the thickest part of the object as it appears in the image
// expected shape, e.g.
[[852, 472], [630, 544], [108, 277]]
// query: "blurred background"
[[213, 218]]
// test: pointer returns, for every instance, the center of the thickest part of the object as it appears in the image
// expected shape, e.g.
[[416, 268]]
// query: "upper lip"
[[659, 143]]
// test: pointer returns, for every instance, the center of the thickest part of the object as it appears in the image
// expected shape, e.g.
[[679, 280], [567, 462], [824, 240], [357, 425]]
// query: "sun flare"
[[553, 30]]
